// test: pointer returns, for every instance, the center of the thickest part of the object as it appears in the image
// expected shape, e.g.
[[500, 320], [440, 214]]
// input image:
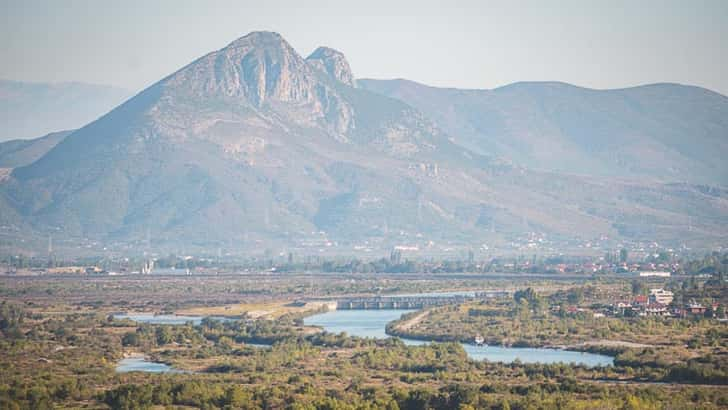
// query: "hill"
[[666, 132], [17, 153]]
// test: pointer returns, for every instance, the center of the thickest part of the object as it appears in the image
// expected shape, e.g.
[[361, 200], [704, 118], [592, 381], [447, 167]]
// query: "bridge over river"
[[411, 302]]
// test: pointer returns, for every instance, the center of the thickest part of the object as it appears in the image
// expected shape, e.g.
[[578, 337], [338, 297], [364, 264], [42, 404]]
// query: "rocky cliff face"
[[257, 68], [257, 75], [257, 88], [333, 63]]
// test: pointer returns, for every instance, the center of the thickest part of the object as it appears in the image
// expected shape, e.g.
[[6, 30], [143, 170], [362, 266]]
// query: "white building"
[[659, 274], [661, 296], [655, 309]]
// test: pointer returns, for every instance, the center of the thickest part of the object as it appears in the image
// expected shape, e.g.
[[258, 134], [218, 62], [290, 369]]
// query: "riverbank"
[[373, 324], [407, 328], [609, 348]]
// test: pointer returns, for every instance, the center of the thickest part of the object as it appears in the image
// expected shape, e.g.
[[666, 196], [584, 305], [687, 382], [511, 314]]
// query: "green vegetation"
[[59, 350], [654, 348]]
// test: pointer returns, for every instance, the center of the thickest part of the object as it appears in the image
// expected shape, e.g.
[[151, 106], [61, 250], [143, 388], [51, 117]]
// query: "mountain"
[[666, 132], [31, 109], [18, 153], [333, 63], [254, 146]]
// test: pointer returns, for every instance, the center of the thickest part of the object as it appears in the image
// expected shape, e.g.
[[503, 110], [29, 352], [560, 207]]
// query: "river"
[[372, 323]]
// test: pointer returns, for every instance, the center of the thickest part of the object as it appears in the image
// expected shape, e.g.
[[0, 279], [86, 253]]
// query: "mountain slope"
[[18, 153], [257, 146], [666, 132], [31, 109], [251, 135]]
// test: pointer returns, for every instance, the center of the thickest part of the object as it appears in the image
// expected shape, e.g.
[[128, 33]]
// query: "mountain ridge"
[[637, 131], [532, 82], [20, 152], [255, 145]]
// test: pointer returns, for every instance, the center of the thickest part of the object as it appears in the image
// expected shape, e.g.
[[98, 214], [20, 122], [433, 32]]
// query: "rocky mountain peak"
[[333, 63], [259, 74], [260, 66], [260, 39]]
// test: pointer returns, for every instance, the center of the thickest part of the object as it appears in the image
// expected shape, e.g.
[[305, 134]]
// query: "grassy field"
[[270, 310]]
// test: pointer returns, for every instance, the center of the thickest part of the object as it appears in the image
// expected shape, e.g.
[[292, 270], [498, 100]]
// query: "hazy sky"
[[475, 44]]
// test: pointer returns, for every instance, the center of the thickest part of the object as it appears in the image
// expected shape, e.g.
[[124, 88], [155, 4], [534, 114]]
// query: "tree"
[[129, 397], [164, 335], [720, 312], [575, 296], [529, 295], [236, 397], [38, 398], [623, 255], [638, 288], [11, 317], [663, 257], [130, 339], [8, 404]]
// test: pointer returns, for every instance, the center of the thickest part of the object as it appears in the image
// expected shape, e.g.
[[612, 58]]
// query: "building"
[[640, 300], [655, 309], [659, 274], [148, 267], [661, 296], [66, 270], [621, 307], [695, 308]]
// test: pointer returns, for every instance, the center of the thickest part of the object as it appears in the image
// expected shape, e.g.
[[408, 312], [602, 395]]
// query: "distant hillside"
[[18, 153], [31, 109], [667, 132]]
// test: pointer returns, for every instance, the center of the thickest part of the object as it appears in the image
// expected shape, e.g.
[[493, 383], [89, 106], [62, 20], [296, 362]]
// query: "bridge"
[[410, 302]]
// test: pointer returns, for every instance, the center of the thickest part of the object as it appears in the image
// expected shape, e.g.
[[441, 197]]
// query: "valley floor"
[[61, 345]]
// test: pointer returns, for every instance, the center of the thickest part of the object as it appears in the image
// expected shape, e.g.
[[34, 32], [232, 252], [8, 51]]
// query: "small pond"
[[141, 364]]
